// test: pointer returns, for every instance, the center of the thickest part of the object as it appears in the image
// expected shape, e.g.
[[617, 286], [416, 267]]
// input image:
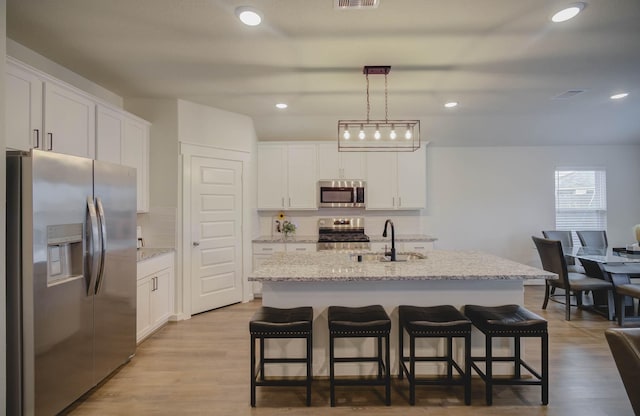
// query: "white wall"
[[3, 308], [495, 198], [200, 124]]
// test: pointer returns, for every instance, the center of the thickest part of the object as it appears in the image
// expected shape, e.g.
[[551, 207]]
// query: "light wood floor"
[[201, 367]]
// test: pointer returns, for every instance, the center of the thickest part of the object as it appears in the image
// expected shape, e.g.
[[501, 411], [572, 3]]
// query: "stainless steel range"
[[342, 234]]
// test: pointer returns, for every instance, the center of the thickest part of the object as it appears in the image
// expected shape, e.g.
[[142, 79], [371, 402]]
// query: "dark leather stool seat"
[[270, 322], [368, 321], [625, 348], [510, 321], [434, 322]]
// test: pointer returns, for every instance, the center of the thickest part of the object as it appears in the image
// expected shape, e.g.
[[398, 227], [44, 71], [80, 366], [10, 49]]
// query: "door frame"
[[187, 152]]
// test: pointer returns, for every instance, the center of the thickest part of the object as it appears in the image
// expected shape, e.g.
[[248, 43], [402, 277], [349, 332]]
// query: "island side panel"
[[389, 294]]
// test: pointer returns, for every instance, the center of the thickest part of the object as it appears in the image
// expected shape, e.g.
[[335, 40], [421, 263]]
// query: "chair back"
[[593, 239], [552, 258], [565, 239], [625, 348]]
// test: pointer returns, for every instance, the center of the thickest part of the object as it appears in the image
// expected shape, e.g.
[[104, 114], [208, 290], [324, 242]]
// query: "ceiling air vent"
[[568, 94], [355, 4]]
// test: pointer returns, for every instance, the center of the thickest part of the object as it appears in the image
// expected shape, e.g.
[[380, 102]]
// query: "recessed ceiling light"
[[568, 13], [451, 104], [619, 96], [282, 106], [248, 16]]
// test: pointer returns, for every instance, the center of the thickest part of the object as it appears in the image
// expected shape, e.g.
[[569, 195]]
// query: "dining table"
[[617, 265]]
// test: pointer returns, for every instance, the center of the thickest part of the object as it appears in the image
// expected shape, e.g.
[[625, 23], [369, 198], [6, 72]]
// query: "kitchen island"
[[329, 278]]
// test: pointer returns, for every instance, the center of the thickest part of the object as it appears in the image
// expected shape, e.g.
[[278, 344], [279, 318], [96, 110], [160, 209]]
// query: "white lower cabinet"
[[263, 251], [421, 247], [155, 294]]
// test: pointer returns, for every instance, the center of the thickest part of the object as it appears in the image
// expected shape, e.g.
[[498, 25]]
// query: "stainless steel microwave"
[[341, 193]]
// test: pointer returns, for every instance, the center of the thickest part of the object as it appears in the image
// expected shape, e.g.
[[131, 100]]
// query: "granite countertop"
[[147, 253], [438, 265], [291, 239], [314, 238]]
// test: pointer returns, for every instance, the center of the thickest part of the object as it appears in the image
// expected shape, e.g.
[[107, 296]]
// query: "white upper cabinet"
[[412, 179], [302, 177], [135, 153], [396, 180], [339, 165], [109, 134], [69, 121], [287, 176], [23, 109], [381, 180], [272, 176]]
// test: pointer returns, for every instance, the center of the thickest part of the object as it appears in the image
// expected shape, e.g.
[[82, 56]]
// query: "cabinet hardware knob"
[[196, 243]]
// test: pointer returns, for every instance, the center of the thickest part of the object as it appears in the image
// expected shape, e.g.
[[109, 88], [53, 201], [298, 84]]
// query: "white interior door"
[[216, 250]]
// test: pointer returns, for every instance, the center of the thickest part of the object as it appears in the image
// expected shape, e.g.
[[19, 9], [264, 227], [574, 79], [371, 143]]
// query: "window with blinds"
[[581, 200]]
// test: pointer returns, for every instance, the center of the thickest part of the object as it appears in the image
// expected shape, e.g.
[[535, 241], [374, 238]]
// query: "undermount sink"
[[379, 257]]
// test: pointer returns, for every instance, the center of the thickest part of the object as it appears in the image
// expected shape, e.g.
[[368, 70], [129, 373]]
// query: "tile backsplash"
[[406, 222], [159, 227]]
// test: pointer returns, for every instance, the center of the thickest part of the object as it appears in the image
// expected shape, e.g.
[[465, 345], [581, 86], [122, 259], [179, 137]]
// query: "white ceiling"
[[503, 60]]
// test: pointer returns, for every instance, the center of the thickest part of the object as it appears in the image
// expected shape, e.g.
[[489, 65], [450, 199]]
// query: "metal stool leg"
[[253, 370], [332, 386], [467, 369]]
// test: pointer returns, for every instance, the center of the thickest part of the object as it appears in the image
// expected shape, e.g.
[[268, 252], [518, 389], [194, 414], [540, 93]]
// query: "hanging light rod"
[[379, 135]]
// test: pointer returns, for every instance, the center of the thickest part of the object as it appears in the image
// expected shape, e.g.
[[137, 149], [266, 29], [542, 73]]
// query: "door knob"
[[196, 243]]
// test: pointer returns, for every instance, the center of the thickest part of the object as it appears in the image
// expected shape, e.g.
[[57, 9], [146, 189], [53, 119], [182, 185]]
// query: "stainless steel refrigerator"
[[71, 277]]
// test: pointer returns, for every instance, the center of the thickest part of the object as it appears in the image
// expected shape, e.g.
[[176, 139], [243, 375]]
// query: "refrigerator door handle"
[[94, 242], [103, 245]]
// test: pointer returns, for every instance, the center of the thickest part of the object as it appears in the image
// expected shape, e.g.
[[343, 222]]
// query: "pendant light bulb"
[[393, 134], [361, 134], [376, 135], [407, 134], [346, 135]]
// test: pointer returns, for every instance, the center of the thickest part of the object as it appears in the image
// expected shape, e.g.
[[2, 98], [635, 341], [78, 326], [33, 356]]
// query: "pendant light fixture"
[[378, 135]]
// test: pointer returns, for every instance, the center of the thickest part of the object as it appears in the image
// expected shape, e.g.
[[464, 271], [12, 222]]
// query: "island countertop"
[[438, 265]]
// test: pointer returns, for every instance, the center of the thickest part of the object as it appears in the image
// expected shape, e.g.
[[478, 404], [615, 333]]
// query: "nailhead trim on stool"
[[510, 321], [270, 322], [443, 321], [368, 321]]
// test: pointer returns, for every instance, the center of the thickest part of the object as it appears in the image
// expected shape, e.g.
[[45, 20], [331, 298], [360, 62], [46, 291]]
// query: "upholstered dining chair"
[[553, 260], [593, 239], [565, 240]]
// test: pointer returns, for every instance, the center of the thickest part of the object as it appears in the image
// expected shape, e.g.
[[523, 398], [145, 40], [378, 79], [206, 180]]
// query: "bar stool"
[[270, 322], [434, 322], [510, 321], [361, 322]]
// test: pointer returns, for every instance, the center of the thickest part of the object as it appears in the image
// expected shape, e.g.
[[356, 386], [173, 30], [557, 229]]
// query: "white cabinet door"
[[301, 247], [143, 308], [23, 109], [328, 161], [135, 153], [160, 301], [339, 165], [381, 180], [421, 247], [412, 176], [352, 165], [69, 121], [109, 133], [302, 179], [272, 170]]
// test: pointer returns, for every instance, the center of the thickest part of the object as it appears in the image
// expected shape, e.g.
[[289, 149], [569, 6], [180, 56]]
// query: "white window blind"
[[581, 200]]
